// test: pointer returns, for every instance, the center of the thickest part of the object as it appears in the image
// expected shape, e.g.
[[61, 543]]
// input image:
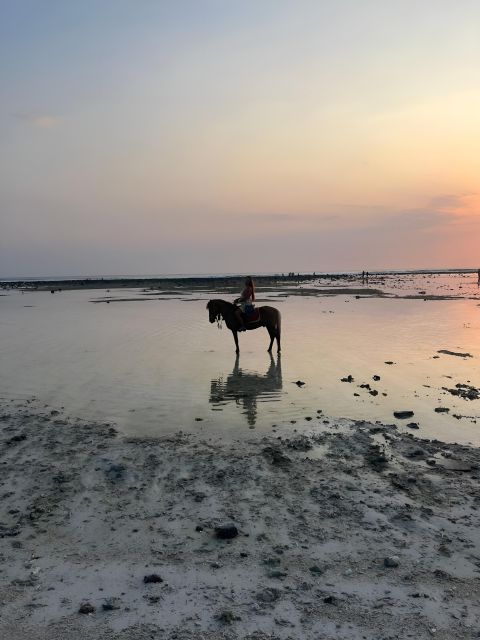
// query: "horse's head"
[[213, 311]]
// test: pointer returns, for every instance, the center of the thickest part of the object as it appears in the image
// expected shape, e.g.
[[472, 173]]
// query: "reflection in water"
[[245, 388]]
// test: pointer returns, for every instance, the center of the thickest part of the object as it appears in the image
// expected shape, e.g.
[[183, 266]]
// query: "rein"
[[219, 317]]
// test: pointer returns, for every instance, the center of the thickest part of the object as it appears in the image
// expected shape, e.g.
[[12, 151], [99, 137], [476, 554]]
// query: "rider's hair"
[[250, 283]]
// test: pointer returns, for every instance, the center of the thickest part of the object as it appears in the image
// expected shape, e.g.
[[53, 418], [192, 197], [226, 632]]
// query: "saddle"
[[252, 317]]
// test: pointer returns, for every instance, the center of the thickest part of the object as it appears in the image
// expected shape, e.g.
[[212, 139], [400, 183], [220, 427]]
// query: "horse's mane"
[[219, 300]]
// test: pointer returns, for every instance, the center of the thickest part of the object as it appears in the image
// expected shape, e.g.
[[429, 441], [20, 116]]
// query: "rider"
[[245, 301]]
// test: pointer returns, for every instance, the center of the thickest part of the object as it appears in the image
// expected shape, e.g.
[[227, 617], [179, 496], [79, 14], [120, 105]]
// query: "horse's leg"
[[279, 325], [235, 337], [271, 333]]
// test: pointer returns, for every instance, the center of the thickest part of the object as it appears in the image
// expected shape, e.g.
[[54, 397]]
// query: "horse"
[[269, 318]]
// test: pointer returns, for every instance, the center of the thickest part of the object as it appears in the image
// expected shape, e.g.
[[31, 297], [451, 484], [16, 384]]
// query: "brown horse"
[[269, 318]]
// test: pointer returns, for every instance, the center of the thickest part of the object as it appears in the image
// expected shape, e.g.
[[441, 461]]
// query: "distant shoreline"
[[198, 281]]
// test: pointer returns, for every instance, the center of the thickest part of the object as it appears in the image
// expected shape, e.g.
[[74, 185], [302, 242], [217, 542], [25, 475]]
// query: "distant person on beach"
[[246, 302], [478, 273]]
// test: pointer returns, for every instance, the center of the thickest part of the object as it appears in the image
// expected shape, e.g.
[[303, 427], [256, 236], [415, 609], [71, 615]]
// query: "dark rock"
[[152, 578], [376, 378], [413, 425], [111, 604], [116, 472], [391, 561], [299, 383], [349, 378], [465, 391], [18, 438], [86, 607], [402, 415], [442, 409], [455, 353], [316, 569], [330, 600], [227, 617], [373, 392], [226, 531], [198, 528]]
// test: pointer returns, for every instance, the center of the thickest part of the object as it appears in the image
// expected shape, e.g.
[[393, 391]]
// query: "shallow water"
[[157, 366]]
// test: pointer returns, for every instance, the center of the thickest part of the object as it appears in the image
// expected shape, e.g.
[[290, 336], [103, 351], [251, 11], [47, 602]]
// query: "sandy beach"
[[356, 531]]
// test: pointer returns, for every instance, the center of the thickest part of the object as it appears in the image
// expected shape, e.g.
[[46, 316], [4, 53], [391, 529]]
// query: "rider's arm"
[[246, 294]]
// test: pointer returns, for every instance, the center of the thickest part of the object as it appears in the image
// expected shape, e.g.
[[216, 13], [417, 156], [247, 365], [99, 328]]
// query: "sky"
[[217, 136]]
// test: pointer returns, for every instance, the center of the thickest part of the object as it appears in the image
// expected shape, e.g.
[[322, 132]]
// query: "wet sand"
[[354, 531]]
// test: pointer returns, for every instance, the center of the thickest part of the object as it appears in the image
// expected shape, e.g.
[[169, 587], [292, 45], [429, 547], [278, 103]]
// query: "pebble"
[[226, 531], [226, 617], [152, 578], [391, 561], [401, 415], [86, 607], [316, 569], [111, 604]]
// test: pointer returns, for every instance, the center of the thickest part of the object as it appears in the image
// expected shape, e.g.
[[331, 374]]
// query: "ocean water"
[[153, 364]]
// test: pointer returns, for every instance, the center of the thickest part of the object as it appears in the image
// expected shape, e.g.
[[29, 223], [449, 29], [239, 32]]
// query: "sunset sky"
[[218, 136]]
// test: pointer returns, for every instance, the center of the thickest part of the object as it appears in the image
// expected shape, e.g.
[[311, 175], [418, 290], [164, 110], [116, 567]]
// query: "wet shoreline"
[[355, 530]]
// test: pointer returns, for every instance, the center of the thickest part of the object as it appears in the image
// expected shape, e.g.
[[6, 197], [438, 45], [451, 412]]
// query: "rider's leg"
[[238, 313]]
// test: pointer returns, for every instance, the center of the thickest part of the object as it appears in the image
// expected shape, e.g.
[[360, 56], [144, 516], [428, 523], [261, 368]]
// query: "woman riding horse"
[[269, 317], [246, 301]]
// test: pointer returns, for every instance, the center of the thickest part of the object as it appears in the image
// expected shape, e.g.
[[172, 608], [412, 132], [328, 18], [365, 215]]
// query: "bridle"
[[212, 307]]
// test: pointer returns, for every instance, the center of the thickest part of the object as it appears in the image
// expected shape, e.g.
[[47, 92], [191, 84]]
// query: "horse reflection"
[[245, 388]]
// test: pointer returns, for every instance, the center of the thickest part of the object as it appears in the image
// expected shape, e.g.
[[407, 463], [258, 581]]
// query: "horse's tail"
[[279, 323]]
